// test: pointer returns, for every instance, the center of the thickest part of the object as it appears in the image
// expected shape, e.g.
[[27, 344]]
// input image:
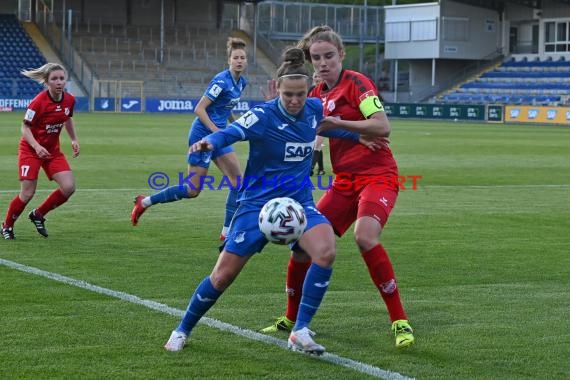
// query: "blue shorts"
[[203, 159], [244, 237]]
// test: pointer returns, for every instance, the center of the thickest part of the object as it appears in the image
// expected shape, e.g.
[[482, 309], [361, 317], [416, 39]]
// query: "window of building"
[[557, 36]]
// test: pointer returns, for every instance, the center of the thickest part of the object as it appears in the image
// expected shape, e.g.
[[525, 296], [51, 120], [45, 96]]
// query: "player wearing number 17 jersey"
[[48, 113]]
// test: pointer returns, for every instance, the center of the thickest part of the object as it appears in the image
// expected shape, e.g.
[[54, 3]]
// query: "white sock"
[[146, 202]]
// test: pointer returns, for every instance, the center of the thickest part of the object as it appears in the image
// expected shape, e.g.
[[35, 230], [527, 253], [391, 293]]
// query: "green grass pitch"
[[480, 249]]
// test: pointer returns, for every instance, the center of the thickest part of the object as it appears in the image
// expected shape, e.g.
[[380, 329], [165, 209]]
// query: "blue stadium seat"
[[526, 81], [17, 52]]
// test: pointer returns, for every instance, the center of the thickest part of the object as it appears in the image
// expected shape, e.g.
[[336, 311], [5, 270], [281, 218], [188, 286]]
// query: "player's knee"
[[27, 195], [365, 241], [326, 256], [221, 280], [68, 190]]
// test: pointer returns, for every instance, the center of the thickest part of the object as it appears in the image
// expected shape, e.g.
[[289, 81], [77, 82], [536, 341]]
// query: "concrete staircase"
[[51, 56]]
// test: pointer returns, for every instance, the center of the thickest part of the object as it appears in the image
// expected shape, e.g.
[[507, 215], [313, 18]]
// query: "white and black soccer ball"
[[282, 220]]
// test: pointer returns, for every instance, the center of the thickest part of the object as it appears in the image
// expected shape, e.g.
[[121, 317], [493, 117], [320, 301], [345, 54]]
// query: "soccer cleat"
[[38, 223], [138, 210], [8, 233], [281, 324], [403, 333], [321, 172], [302, 341], [176, 342]]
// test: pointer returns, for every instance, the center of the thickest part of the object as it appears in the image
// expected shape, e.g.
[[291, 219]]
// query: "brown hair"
[[41, 74], [235, 43], [319, 33], [293, 64]]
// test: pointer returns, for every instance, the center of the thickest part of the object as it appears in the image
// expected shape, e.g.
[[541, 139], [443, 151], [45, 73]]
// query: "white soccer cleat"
[[176, 342], [302, 341]]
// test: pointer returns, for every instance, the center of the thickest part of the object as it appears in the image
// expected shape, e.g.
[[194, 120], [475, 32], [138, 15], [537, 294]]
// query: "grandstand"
[[18, 52], [526, 81], [191, 56]]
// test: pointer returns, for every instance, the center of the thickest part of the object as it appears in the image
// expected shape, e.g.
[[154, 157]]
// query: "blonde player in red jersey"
[[48, 113], [359, 193]]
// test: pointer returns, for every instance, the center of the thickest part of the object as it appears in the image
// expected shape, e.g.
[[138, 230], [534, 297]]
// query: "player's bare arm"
[[30, 139], [200, 111], [70, 128]]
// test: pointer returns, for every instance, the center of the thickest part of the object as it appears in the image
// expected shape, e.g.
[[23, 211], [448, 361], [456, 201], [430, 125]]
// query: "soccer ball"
[[282, 220]]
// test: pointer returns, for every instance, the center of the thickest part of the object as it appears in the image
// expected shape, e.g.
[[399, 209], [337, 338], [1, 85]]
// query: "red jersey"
[[46, 118], [343, 101]]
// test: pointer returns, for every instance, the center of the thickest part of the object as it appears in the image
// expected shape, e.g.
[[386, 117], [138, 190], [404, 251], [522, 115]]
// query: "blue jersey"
[[280, 150], [225, 94]]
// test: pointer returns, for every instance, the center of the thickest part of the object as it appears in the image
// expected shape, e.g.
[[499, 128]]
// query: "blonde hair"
[[41, 74], [235, 43]]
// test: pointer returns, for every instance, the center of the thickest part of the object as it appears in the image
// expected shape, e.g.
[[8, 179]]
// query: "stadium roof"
[[500, 4]]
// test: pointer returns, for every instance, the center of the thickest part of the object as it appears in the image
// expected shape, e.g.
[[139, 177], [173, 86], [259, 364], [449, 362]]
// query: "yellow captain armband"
[[371, 105]]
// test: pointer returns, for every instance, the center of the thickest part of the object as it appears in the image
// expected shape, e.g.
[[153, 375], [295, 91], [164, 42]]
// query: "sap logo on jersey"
[[298, 151]]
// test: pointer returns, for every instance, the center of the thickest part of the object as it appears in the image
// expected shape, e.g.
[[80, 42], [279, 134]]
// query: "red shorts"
[[344, 206], [29, 165]]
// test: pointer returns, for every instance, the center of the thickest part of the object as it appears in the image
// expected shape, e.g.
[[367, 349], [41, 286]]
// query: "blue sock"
[[170, 194], [231, 206], [314, 289], [204, 297]]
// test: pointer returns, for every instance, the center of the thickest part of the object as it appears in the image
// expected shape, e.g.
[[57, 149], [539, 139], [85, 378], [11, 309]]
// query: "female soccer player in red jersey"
[[48, 113], [351, 102]]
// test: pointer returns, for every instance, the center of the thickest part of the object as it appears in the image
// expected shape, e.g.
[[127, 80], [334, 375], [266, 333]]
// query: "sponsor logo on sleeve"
[[247, 120], [29, 115], [215, 91]]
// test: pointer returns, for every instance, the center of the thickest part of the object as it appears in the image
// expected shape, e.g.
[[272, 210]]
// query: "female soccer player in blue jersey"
[[359, 194], [281, 135], [212, 111]]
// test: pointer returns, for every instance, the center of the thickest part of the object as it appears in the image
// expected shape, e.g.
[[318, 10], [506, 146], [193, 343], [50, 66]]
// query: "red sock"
[[382, 274], [55, 199], [296, 272], [16, 207]]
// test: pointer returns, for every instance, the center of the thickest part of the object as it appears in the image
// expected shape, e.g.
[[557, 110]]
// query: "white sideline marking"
[[214, 323]]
